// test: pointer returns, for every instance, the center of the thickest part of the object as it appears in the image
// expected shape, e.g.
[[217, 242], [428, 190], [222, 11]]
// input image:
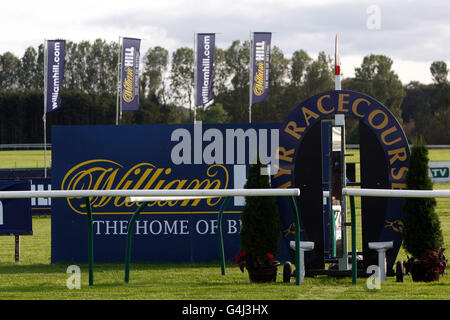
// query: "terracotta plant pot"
[[420, 273], [265, 274]]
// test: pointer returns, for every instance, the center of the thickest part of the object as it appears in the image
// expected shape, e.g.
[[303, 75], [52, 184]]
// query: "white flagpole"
[[195, 78], [250, 80], [119, 84], [337, 66], [44, 117]]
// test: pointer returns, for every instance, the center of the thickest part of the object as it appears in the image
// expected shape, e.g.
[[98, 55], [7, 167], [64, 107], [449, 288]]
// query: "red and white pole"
[[337, 66]]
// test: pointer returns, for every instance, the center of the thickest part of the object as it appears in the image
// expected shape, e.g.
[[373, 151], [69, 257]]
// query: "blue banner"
[[130, 74], [54, 73], [15, 214], [260, 66], [151, 157], [205, 59], [41, 206]]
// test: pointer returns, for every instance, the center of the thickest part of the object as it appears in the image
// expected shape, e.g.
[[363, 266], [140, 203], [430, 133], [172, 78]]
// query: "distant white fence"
[[394, 193]]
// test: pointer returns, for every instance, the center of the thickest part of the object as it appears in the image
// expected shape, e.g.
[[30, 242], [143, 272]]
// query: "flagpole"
[[250, 80], [44, 117], [337, 66], [195, 78], [119, 84]]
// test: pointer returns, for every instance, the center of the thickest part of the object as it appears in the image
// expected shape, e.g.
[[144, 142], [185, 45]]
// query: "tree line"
[[167, 84]]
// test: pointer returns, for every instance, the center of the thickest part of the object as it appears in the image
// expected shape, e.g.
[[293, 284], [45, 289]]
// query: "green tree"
[[182, 77], [28, 71], [155, 66], [9, 71], [261, 226], [220, 72], [214, 113], [299, 63], [235, 99], [422, 232], [376, 78], [271, 109], [318, 76], [439, 72]]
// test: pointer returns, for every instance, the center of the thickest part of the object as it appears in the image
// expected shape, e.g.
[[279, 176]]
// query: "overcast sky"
[[412, 33]]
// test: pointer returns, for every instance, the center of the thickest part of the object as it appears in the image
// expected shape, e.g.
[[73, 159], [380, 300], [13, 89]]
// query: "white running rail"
[[445, 193]]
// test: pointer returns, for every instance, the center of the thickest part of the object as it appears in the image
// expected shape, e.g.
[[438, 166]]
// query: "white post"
[[381, 248], [44, 117], [337, 66], [250, 80], [195, 78], [119, 84], [382, 264]]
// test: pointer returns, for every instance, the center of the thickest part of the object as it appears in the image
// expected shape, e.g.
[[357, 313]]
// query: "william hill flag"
[[260, 66], [130, 74], [54, 73], [205, 58]]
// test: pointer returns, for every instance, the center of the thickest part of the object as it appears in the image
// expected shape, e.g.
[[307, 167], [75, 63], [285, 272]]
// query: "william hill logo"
[[259, 84], [102, 174], [128, 83]]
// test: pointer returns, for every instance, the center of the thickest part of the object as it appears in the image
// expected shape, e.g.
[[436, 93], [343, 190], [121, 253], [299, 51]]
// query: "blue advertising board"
[[151, 157], [41, 206], [15, 214]]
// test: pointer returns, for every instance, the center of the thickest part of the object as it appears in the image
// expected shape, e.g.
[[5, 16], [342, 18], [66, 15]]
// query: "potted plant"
[[260, 231], [422, 235]]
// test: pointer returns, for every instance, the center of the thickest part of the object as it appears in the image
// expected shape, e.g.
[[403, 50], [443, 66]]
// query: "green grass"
[[36, 278], [24, 159]]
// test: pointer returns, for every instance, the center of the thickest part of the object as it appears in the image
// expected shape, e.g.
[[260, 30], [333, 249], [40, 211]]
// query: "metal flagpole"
[[250, 80], [339, 119], [337, 66], [195, 77], [44, 117], [119, 84]]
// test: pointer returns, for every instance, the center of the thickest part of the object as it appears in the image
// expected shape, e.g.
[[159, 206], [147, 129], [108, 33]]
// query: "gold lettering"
[[399, 186], [386, 133], [258, 88], [401, 172], [102, 174], [383, 123], [397, 154], [342, 102], [356, 104], [285, 185], [320, 105], [128, 85], [308, 114], [281, 172], [284, 155], [292, 129]]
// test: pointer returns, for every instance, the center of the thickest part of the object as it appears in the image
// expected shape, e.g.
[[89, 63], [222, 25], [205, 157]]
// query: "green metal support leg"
[[333, 235], [354, 260], [129, 237], [297, 240], [90, 242], [219, 222]]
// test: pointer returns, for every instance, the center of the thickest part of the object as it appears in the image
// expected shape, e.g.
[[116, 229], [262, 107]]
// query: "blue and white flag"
[[130, 74], [205, 58], [54, 73], [260, 66]]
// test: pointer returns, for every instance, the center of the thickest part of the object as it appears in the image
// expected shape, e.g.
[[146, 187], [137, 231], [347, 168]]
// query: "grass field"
[[24, 159], [36, 278]]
